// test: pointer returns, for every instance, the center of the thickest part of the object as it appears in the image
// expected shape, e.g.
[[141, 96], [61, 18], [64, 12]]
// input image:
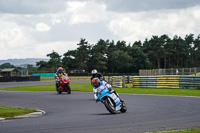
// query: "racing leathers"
[[57, 78], [98, 75], [103, 85]]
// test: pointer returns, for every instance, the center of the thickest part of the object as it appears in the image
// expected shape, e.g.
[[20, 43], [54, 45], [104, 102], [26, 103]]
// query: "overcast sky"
[[34, 28]]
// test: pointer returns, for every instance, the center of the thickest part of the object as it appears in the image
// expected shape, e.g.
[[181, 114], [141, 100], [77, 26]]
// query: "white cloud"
[[15, 43], [42, 27], [36, 32], [56, 21], [32, 6], [60, 47], [137, 26], [86, 12]]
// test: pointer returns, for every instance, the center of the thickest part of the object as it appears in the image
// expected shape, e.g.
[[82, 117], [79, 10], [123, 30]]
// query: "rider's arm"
[[101, 77], [107, 85], [56, 77], [64, 74], [95, 92]]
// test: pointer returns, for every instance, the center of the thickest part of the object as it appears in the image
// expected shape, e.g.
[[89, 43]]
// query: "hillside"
[[17, 62]]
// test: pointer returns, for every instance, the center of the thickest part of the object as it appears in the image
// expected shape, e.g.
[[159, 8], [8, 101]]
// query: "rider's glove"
[[98, 93], [110, 89], [101, 78]]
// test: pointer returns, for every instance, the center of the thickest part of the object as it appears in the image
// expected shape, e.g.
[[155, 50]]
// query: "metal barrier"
[[116, 81], [167, 82], [18, 79], [190, 82], [173, 71], [44, 74], [147, 82], [127, 79], [184, 82], [136, 81], [120, 81]]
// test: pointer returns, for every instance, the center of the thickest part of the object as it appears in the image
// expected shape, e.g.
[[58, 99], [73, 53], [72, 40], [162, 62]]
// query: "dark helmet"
[[95, 82]]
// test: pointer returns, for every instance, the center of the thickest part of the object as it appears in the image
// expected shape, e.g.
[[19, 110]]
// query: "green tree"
[[7, 65], [168, 51], [82, 54], [197, 51], [43, 66], [180, 54], [55, 61], [69, 61], [31, 69], [139, 59], [98, 57], [120, 61], [190, 50]]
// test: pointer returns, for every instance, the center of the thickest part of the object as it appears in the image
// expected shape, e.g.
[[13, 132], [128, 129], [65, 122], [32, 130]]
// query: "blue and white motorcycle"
[[111, 101]]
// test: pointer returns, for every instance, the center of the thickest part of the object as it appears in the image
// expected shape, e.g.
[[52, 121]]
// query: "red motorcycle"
[[64, 85]]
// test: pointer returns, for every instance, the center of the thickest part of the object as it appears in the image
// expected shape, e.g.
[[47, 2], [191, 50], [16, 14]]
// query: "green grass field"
[[184, 131], [72, 78], [86, 87], [8, 112]]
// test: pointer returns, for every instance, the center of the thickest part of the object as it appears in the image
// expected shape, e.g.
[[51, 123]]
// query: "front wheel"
[[68, 89], [110, 105], [123, 109], [58, 90]]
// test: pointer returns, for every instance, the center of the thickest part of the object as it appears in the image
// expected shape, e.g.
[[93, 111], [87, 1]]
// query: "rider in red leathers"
[[58, 75]]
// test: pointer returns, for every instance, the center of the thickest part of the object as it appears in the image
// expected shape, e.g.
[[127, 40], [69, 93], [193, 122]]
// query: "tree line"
[[119, 57]]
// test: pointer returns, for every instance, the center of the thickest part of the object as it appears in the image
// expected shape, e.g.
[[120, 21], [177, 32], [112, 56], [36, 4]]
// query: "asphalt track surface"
[[31, 83], [78, 112]]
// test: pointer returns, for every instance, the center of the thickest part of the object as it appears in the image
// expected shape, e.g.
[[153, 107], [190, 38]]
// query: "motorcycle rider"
[[101, 85], [96, 74], [58, 75]]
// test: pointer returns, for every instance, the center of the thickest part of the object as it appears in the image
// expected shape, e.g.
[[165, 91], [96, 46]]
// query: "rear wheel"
[[110, 105], [68, 89]]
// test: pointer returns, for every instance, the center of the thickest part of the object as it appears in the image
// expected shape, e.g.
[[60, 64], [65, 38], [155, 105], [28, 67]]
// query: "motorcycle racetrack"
[[78, 112]]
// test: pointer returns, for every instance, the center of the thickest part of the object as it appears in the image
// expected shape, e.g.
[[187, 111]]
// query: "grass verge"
[[8, 112], [184, 131], [72, 78], [86, 87]]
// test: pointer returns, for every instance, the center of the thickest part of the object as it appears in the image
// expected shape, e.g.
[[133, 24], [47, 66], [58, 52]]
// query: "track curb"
[[30, 115], [2, 119]]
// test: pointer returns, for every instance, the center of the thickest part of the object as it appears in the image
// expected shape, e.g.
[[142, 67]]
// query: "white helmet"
[[94, 71]]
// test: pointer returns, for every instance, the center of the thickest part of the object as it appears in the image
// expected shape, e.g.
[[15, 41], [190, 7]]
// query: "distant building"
[[9, 72]]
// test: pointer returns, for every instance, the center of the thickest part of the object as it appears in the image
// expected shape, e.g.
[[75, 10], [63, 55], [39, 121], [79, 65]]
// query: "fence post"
[[110, 80], [123, 82], [183, 71], [172, 71], [195, 71]]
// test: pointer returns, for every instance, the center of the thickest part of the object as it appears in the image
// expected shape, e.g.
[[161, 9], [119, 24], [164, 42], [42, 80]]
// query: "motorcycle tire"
[[109, 106], [123, 109], [68, 89], [58, 90]]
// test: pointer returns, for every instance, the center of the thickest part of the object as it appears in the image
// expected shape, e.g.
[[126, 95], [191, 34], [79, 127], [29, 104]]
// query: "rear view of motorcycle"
[[63, 85]]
